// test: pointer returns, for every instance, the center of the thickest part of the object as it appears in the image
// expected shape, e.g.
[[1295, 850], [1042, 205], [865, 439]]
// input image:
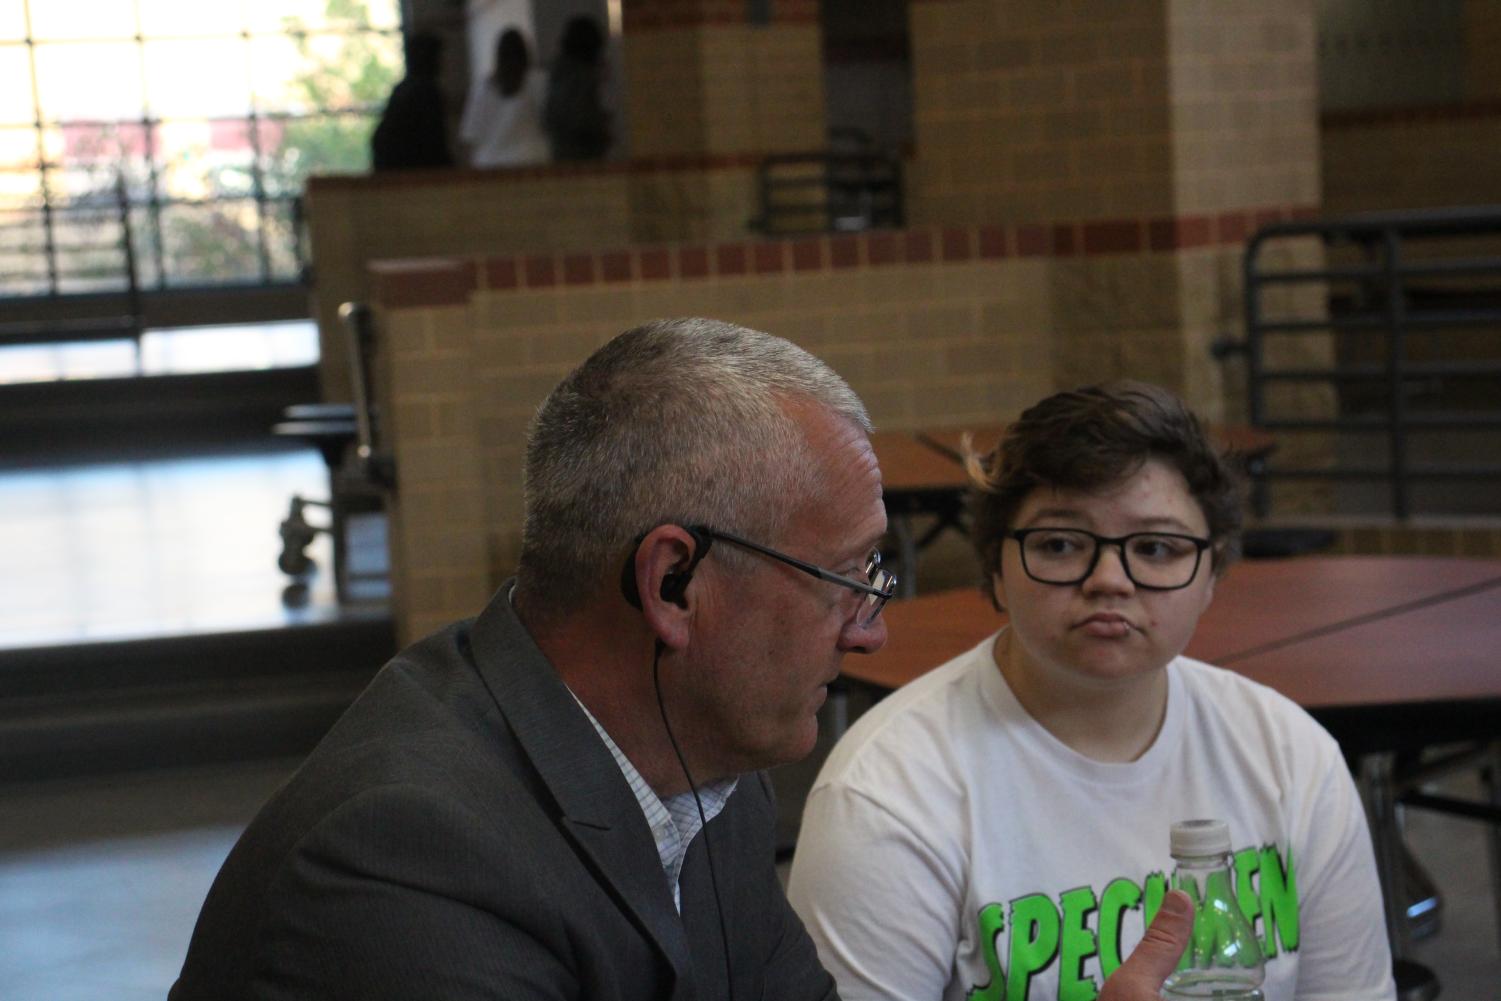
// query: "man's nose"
[[867, 638]]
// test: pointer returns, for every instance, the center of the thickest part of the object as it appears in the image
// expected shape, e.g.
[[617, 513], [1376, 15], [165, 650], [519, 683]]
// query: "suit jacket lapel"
[[598, 809]]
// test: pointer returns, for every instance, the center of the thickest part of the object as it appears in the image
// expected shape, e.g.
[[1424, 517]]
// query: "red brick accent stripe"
[[423, 282], [442, 281]]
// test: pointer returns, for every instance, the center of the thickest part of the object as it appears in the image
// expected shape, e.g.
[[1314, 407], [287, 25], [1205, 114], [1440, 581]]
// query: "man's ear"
[[663, 566]]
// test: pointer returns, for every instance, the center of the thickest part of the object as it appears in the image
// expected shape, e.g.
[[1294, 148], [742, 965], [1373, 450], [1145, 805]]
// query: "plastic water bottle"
[[1223, 959]]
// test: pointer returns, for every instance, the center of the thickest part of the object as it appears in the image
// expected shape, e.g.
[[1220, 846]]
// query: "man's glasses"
[[877, 587], [1156, 561]]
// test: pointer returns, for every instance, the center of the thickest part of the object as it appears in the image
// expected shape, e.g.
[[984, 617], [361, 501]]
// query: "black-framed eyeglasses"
[[1156, 561], [877, 587]]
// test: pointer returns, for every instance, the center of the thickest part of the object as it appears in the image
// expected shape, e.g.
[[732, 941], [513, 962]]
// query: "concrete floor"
[[101, 881]]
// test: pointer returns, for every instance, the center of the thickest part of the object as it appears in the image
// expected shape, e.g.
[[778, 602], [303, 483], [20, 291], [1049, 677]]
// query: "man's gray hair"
[[681, 421]]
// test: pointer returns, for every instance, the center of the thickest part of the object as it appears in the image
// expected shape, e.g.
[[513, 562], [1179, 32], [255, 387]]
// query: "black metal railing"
[[1408, 306], [89, 245], [828, 192]]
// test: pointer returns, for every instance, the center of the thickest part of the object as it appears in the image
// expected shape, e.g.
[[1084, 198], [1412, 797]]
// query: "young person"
[[502, 123], [999, 827]]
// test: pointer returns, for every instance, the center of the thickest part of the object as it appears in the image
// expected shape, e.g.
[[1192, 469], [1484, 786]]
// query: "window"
[[171, 138]]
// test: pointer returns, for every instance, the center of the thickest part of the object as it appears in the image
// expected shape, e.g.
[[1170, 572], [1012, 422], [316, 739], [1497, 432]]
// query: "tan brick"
[[431, 375], [404, 332]]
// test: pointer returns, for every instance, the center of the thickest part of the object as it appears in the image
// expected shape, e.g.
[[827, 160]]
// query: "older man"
[[561, 798]]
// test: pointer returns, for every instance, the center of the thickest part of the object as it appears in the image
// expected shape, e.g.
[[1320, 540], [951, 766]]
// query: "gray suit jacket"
[[462, 832]]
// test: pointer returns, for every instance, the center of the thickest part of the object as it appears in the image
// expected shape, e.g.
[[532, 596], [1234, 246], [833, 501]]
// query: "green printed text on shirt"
[[1022, 938]]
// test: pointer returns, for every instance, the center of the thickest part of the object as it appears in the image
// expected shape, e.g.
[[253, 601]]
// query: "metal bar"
[[1355, 373], [86, 210], [1453, 317], [1490, 779], [43, 167], [1296, 275], [1423, 473], [1427, 318], [1430, 769], [257, 174], [1396, 356], [1369, 225], [1371, 321], [1451, 266], [1454, 806], [133, 289], [1255, 388], [356, 318], [153, 186], [1386, 838], [1439, 268], [1373, 424]]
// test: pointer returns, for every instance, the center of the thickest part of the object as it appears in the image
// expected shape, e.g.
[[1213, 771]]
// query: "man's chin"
[[801, 745]]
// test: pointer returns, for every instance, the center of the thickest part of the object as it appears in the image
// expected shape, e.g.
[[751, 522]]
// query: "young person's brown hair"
[[1090, 438]]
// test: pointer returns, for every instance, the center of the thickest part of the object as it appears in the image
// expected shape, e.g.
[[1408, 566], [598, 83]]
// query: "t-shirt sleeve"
[[1343, 954], [879, 898]]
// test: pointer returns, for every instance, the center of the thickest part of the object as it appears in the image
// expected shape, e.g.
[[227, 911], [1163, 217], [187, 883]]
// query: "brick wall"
[[725, 89], [1198, 116], [355, 220], [930, 325], [1243, 93], [1482, 32], [1026, 110], [708, 95], [1412, 158]]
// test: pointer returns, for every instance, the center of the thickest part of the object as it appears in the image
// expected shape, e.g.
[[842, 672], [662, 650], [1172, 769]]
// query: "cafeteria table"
[[916, 480], [1391, 654]]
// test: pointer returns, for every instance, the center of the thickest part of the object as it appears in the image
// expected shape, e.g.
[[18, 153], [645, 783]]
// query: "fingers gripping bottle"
[[1223, 959]]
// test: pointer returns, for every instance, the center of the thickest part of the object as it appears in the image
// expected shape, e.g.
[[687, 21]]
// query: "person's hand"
[[1140, 977]]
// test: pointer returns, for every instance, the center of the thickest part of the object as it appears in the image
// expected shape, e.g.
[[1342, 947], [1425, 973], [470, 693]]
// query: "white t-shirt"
[[951, 847], [505, 131]]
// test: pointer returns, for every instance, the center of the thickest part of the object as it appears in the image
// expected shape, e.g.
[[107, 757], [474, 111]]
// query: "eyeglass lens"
[[883, 581], [1062, 556]]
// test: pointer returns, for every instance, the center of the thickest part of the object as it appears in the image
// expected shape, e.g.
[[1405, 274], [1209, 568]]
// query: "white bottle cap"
[[1199, 838]]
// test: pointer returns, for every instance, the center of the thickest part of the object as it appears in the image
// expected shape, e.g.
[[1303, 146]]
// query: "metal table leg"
[[1386, 838]]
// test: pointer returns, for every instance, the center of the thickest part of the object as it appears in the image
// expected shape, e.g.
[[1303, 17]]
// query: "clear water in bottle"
[[1223, 960]]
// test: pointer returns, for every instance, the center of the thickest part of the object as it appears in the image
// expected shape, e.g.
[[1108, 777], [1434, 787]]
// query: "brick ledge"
[[450, 281]]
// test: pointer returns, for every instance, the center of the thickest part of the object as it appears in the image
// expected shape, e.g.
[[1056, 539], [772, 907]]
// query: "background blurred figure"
[[502, 123], [577, 123], [413, 130]]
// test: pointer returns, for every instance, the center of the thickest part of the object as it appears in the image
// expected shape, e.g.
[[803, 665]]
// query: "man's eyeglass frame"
[[1119, 541], [876, 594]]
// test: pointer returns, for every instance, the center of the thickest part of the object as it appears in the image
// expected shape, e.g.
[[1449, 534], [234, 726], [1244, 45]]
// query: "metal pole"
[[1261, 501], [1381, 810], [1396, 351], [1491, 777]]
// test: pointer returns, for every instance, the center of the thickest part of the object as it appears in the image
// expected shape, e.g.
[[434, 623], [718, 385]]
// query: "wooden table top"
[[1307, 626], [1235, 439], [908, 465], [1447, 651]]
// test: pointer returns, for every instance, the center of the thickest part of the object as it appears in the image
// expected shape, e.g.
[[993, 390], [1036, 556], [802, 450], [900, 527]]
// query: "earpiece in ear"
[[674, 585], [628, 586]]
